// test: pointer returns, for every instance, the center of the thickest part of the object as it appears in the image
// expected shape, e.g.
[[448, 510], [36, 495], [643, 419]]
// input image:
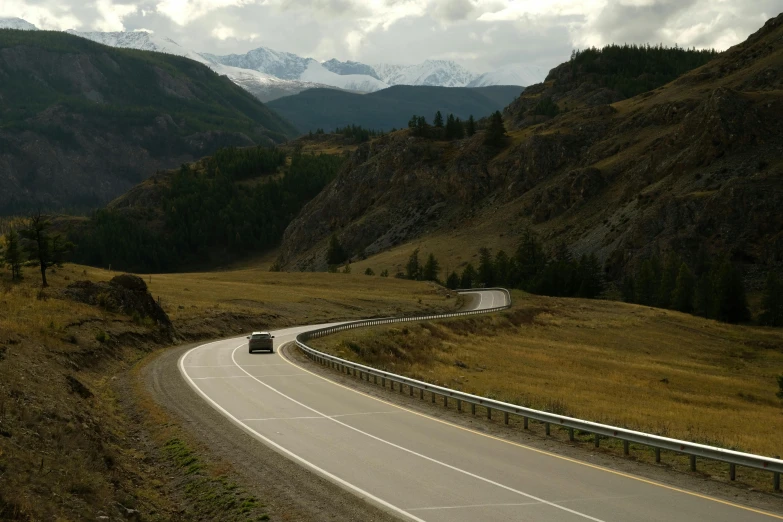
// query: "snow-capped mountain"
[[349, 67], [280, 64], [17, 23], [512, 75], [441, 73], [264, 86], [270, 74], [292, 67]]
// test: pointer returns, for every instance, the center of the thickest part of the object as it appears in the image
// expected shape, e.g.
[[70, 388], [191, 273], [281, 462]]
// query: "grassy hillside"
[[82, 122], [389, 108], [653, 370]]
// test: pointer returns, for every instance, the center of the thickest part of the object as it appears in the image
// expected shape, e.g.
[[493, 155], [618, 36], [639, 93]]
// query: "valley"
[[177, 200]]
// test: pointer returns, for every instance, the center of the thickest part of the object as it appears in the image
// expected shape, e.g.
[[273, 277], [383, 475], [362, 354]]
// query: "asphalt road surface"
[[417, 467]]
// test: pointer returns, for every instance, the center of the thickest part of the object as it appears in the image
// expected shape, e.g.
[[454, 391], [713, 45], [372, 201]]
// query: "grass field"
[[637, 367]]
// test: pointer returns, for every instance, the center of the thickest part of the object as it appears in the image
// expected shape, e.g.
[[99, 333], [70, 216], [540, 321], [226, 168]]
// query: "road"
[[417, 467]]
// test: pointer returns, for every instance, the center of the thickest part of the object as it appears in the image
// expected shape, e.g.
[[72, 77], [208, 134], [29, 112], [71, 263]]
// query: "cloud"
[[111, 15], [480, 34], [453, 10]]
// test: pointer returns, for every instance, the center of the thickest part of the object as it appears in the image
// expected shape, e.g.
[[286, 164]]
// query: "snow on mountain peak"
[[16, 23], [444, 73]]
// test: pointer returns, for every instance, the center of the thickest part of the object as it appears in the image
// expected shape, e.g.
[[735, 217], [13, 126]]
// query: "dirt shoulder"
[[671, 473]]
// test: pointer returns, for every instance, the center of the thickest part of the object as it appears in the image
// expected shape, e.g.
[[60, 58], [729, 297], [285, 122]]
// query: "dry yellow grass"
[[648, 369], [288, 298]]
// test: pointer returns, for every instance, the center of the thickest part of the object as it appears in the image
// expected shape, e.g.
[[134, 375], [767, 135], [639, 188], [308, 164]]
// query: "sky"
[[481, 35]]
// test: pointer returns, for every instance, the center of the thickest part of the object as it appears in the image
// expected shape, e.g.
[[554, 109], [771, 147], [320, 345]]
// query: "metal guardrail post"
[[548, 429], [732, 472], [597, 440], [505, 417], [626, 448], [658, 455], [693, 462], [571, 434], [525, 422], [459, 405], [489, 413], [776, 479]]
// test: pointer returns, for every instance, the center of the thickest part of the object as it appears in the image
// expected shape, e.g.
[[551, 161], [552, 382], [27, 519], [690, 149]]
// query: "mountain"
[[389, 108], [441, 73], [515, 75], [17, 23], [263, 86], [82, 122], [693, 166], [350, 67]]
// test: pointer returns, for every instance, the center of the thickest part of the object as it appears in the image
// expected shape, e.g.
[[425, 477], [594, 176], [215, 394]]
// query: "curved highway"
[[417, 467]]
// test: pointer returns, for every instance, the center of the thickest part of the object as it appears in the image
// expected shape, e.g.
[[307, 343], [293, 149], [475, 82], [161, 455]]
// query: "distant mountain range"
[[270, 74], [390, 108]]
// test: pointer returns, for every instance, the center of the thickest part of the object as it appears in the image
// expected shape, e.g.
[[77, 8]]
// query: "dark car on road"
[[261, 341]]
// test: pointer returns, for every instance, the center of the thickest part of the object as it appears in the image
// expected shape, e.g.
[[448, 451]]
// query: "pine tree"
[[459, 129], [496, 132], [731, 301], [529, 260], [486, 269], [590, 276], [502, 269], [452, 282], [469, 277], [705, 296], [438, 121], [385, 272], [668, 281], [335, 254], [369, 272], [628, 289], [450, 131], [772, 313], [646, 284], [684, 287], [12, 256], [431, 269], [471, 126], [413, 269], [41, 246]]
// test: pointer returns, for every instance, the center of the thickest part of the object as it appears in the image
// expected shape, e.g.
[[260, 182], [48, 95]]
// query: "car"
[[260, 341]]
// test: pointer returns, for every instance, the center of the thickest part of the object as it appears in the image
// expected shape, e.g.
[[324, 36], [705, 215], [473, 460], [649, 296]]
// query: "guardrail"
[[658, 443]]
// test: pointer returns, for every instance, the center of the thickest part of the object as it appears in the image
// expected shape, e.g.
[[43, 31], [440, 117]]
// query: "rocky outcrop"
[[126, 294]]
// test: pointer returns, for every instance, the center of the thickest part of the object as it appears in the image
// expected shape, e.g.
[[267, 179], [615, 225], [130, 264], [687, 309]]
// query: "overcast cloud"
[[480, 34]]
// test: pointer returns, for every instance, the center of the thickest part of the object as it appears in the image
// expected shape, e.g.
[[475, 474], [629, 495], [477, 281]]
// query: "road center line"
[[420, 455], [285, 451]]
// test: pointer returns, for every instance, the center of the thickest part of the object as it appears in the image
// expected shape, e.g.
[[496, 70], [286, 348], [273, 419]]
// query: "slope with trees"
[[689, 167], [83, 122]]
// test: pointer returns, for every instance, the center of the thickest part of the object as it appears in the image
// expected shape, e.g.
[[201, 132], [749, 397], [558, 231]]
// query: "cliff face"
[[695, 164], [80, 122]]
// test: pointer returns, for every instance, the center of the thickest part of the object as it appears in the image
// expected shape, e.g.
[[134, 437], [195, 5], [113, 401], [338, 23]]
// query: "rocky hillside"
[[80, 123], [694, 164]]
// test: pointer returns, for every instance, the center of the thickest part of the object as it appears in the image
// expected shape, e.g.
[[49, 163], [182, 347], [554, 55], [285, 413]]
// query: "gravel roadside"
[[288, 491]]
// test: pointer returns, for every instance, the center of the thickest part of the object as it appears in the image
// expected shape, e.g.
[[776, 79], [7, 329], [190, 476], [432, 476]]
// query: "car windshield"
[[260, 336]]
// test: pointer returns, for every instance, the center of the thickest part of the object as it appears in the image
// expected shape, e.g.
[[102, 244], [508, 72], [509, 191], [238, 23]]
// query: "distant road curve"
[[416, 467]]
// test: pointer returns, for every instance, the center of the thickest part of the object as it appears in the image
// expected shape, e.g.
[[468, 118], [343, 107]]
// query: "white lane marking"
[[361, 413], [288, 452], [517, 504], [223, 377], [420, 455], [476, 506], [323, 417], [234, 365], [282, 418]]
